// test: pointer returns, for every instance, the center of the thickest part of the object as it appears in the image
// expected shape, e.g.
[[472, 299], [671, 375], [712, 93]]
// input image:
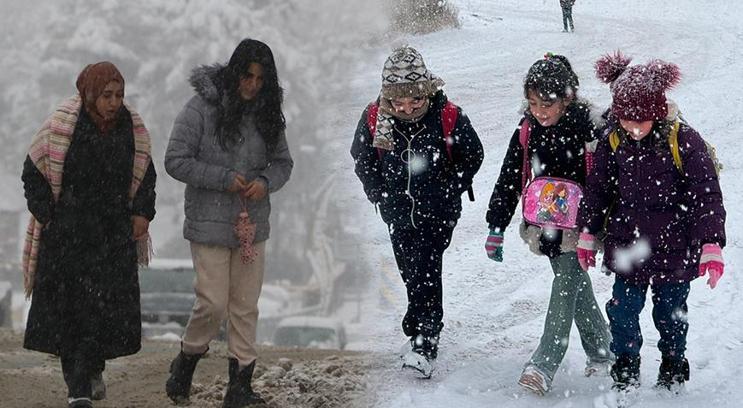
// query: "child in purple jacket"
[[663, 215]]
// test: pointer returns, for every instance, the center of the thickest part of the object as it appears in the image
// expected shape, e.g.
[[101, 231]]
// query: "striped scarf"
[[48, 150]]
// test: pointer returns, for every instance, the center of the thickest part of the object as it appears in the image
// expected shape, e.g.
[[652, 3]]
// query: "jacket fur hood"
[[205, 80]]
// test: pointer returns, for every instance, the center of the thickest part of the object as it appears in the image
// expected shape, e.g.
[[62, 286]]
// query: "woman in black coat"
[[90, 186]]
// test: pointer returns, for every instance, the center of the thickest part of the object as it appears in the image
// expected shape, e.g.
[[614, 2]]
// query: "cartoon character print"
[[553, 202], [561, 198]]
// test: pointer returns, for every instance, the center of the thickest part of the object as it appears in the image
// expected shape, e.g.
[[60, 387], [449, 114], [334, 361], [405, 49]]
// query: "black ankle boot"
[[80, 403], [427, 346], [626, 373], [672, 373], [97, 387], [178, 386], [239, 391]]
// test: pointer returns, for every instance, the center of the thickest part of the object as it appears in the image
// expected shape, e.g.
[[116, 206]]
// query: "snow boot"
[[535, 380], [80, 403], [178, 386], [672, 374], [98, 387], [598, 368], [626, 373], [407, 347], [239, 391], [422, 355]]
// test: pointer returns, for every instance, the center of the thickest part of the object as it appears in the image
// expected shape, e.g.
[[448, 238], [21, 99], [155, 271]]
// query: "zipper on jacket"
[[409, 150]]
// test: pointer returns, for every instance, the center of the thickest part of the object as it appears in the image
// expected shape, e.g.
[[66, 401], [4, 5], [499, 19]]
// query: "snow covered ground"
[[494, 312]]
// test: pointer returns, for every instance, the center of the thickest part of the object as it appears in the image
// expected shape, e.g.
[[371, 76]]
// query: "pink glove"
[[711, 262], [586, 250]]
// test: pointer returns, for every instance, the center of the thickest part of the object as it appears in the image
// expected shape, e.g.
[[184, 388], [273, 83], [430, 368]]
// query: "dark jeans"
[[419, 253], [669, 315], [567, 17]]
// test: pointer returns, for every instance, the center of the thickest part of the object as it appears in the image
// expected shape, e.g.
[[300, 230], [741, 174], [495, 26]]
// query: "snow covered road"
[[494, 312]]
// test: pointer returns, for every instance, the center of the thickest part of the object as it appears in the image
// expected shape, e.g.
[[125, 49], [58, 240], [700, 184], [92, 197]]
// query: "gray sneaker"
[[534, 380], [406, 347], [598, 368]]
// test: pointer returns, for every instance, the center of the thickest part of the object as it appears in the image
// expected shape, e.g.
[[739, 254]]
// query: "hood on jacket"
[[206, 81]]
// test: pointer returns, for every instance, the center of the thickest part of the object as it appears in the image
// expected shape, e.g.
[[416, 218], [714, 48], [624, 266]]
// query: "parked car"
[[310, 332], [167, 298], [6, 313]]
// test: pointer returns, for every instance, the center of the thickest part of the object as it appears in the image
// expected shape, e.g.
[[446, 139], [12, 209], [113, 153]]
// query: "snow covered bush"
[[423, 16]]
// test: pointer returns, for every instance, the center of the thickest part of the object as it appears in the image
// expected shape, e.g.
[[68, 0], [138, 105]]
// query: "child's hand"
[[711, 262], [494, 245], [586, 250]]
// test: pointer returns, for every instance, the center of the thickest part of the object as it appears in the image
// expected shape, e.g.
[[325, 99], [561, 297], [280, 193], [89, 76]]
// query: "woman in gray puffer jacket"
[[228, 146]]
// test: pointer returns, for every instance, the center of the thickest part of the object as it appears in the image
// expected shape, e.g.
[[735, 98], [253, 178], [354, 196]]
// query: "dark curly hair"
[[551, 77], [270, 120]]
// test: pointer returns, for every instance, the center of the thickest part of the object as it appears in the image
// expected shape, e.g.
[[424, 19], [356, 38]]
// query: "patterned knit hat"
[[639, 91], [405, 75]]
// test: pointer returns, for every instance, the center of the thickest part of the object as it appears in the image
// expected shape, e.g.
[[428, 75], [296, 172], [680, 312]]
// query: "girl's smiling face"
[[546, 112]]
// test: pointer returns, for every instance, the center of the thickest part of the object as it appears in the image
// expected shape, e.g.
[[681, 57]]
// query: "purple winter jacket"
[[659, 219]]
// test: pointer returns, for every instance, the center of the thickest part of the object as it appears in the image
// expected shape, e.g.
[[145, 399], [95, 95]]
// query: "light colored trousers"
[[225, 288]]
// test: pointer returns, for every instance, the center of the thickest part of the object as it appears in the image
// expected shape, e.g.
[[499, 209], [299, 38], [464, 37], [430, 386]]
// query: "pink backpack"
[[549, 201]]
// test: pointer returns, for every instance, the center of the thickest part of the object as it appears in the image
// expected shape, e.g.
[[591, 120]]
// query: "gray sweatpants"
[[572, 298]]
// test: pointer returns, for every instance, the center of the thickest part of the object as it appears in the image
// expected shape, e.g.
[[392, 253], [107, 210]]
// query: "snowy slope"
[[494, 312]]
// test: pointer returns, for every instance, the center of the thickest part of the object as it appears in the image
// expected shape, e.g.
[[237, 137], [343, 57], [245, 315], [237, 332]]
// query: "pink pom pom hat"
[[638, 91]]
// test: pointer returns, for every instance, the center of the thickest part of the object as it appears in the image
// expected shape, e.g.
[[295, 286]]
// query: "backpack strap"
[[449, 116], [614, 141], [524, 133], [371, 122], [673, 142]]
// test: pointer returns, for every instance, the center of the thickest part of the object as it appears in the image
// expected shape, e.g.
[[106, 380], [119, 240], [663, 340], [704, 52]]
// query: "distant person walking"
[[90, 186], [567, 15], [228, 146]]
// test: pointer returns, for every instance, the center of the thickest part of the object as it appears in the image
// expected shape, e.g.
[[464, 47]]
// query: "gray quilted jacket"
[[195, 157]]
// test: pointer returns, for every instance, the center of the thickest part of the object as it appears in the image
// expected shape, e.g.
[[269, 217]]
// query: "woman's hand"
[[239, 184], [256, 189], [140, 226]]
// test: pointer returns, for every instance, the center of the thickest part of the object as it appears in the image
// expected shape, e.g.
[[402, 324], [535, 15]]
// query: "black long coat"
[[86, 288]]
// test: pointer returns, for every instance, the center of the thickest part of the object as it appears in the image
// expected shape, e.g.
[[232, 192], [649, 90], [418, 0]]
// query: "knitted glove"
[[711, 262], [494, 245], [586, 250]]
